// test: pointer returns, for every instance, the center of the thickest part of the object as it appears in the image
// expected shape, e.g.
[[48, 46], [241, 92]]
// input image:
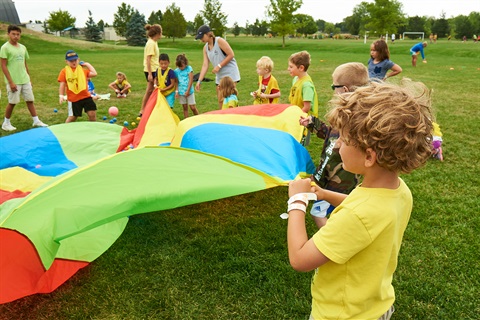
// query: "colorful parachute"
[[67, 194]]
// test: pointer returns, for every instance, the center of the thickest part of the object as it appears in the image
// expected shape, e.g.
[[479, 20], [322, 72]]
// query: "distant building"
[[35, 26], [110, 34], [8, 12]]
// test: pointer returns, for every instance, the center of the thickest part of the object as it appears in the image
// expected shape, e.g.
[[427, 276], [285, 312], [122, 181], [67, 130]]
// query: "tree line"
[[375, 18]]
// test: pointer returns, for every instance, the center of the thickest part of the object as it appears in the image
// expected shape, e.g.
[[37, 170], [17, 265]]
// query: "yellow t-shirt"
[[362, 239], [151, 49], [303, 89], [267, 89], [122, 85]]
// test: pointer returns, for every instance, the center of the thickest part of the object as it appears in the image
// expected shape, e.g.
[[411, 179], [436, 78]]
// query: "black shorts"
[[86, 104], [154, 75]]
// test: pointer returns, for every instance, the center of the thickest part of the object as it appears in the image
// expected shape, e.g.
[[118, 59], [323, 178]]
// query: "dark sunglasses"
[[335, 86]]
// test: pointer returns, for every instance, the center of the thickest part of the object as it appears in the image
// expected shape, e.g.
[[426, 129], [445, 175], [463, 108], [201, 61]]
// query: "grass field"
[[228, 259]]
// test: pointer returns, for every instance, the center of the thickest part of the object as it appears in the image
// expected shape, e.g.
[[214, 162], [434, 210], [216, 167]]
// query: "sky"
[[239, 11]]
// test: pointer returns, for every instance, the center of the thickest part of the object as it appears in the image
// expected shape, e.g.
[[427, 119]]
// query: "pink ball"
[[113, 111]]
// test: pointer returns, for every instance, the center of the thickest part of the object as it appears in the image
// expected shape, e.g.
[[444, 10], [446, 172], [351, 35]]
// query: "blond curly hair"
[[395, 121]]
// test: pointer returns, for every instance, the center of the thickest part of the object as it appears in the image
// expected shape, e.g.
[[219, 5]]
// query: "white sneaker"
[[39, 124], [8, 127]]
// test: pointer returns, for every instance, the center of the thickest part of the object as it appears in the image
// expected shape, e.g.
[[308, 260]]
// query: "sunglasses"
[[335, 86]]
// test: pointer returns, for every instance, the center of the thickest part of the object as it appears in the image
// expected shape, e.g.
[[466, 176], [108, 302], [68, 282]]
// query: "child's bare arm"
[[61, 92], [332, 197], [302, 252], [93, 72], [306, 106]]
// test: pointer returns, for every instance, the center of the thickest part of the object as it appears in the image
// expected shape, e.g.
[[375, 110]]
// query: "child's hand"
[[305, 121], [62, 99], [318, 191], [299, 186]]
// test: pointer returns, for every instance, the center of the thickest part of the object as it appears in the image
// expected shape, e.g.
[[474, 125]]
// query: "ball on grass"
[[104, 118], [125, 123], [113, 111], [55, 110]]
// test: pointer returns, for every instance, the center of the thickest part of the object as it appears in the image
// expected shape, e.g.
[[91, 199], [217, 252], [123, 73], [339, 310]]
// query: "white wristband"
[[297, 206], [219, 66], [303, 197]]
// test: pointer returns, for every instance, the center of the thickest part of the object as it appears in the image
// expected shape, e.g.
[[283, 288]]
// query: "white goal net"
[[417, 33]]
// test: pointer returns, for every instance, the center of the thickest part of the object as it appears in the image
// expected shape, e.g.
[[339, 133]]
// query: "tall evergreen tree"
[[92, 31], [101, 25], [155, 18], [135, 32]]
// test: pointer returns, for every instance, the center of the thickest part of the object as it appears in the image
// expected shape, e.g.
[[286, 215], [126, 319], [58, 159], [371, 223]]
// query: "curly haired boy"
[[385, 130]]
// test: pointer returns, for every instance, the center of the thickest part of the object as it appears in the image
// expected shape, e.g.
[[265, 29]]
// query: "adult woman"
[[220, 54]]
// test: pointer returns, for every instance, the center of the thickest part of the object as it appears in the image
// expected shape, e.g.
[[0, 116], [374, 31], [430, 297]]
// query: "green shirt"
[[16, 56]]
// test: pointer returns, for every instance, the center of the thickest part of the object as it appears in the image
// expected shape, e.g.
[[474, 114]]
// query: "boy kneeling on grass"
[[385, 130]]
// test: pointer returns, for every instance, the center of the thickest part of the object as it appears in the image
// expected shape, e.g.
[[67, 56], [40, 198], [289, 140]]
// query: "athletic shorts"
[[22, 89], [154, 75], [413, 53], [187, 100], [86, 104]]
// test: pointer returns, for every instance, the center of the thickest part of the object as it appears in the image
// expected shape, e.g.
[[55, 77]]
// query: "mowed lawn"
[[227, 259]]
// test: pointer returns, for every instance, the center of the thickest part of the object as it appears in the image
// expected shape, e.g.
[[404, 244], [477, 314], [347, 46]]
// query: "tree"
[[92, 31], [463, 27], [416, 24], [45, 27], [101, 25], [155, 18], [121, 18], [355, 23], [214, 17], [320, 25], [198, 22], [191, 28], [174, 23], [330, 29], [441, 26], [248, 28], [305, 24], [135, 30], [60, 20], [281, 13], [386, 16], [474, 18], [236, 29]]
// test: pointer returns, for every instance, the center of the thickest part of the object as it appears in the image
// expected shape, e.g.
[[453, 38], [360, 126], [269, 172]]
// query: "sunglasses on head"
[[335, 86]]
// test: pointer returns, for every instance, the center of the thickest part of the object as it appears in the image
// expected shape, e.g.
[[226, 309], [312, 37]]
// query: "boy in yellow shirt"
[[268, 89], [302, 93], [385, 130]]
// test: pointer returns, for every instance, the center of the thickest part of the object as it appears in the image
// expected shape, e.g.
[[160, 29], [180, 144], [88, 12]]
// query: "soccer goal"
[[419, 33]]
